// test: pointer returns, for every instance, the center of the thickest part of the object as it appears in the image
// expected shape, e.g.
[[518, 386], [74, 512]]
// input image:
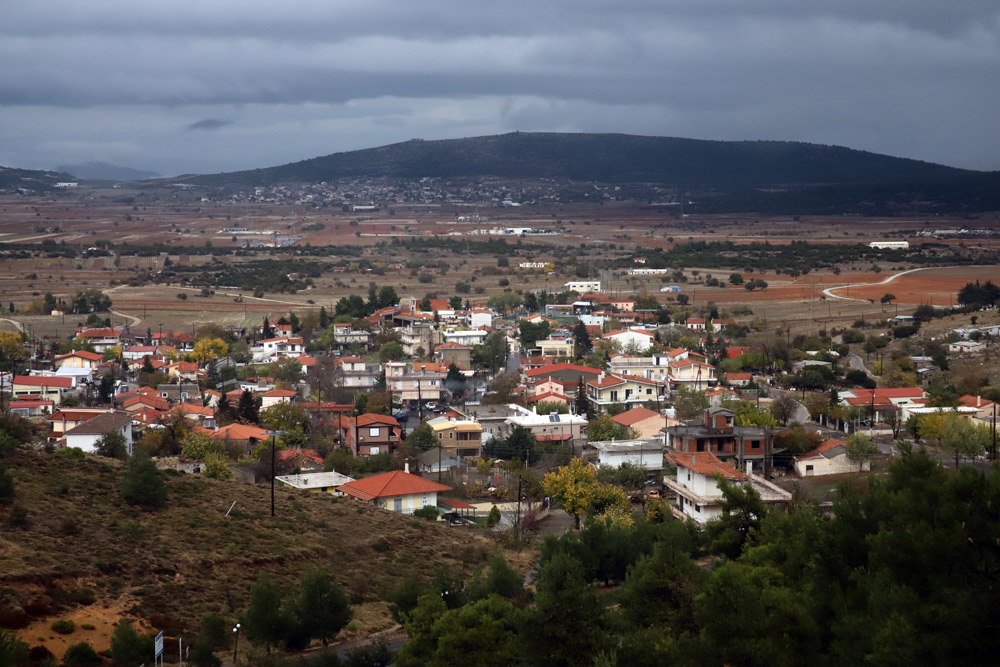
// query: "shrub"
[[81, 655], [428, 512], [64, 627], [71, 454], [182, 296], [425, 278]]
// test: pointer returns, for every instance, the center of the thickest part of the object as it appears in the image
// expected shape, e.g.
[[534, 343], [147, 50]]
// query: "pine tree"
[[142, 483]]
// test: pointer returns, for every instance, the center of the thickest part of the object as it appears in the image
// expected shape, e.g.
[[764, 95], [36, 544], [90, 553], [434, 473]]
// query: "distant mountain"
[[107, 172], [30, 180], [607, 158]]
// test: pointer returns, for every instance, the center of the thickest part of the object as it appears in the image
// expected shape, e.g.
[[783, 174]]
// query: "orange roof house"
[[397, 491]]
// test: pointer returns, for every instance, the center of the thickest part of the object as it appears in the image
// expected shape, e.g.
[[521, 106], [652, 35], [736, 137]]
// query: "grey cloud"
[[208, 124], [907, 77]]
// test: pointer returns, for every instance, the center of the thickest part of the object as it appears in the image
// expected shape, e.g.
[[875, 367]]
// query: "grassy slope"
[[170, 566]]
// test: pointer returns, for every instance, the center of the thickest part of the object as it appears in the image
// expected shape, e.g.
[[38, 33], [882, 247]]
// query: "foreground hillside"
[[609, 158], [69, 541]]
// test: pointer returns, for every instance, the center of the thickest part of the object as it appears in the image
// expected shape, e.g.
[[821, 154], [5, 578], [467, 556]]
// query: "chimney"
[[406, 466]]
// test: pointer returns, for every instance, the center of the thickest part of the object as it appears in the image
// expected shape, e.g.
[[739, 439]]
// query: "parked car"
[[653, 493], [430, 405], [400, 415]]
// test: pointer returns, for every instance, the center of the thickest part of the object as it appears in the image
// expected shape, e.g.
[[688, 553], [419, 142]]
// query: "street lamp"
[[236, 647]]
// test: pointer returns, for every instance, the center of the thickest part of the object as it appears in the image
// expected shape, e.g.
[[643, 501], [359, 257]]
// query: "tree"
[[504, 302], [860, 449], [735, 278], [285, 417], [13, 651], [604, 428], [690, 403], [962, 438], [247, 409], [391, 351], [321, 608], [128, 647], [742, 513], [493, 352], [746, 413], [574, 487], [581, 341], [580, 403], [209, 349], [421, 439], [265, 621], [112, 445], [142, 483], [78, 655], [567, 625], [784, 408]]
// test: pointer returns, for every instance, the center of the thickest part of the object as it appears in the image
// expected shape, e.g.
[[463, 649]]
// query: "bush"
[[425, 278], [428, 512], [71, 454], [6, 485], [904, 331], [81, 655], [64, 627], [182, 296]]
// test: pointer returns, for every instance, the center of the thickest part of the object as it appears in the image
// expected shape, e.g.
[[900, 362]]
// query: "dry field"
[[178, 219]]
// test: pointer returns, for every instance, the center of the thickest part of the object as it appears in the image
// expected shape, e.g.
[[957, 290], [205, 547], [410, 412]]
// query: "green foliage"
[[500, 579], [112, 445], [979, 295], [690, 403], [421, 439], [6, 484], [71, 454], [493, 518], [265, 620], [742, 512], [567, 625], [13, 651], [63, 626], [321, 609], [128, 647], [79, 655], [428, 512], [604, 428], [142, 483], [860, 449]]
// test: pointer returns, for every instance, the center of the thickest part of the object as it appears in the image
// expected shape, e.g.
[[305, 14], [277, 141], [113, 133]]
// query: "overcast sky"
[[198, 86]]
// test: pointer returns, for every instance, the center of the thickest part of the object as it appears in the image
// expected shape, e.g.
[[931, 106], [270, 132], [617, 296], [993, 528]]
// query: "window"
[[423, 501], [451, 435], [373, 451], [373, 432], [809, 468]]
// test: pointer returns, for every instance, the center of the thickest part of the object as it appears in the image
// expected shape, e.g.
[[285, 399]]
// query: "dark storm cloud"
[[208, 124], [907, 77]]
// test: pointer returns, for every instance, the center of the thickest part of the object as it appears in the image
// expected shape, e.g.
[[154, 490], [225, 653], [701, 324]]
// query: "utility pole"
[[272, 475]]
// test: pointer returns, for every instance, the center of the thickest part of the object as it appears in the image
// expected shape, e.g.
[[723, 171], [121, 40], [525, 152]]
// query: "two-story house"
[[463, 438], [629, 390], [41, 388], [719, 434], [415, 385], [696, 485]]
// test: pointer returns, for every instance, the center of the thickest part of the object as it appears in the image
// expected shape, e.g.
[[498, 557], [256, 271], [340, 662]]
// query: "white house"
[[698, 494], [583, 286], [829, 458], [397, 491], [631, 340], [86, 435], [647, 454]]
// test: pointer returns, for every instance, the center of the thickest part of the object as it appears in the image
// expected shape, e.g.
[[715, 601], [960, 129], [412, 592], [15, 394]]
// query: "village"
[[421, 392]]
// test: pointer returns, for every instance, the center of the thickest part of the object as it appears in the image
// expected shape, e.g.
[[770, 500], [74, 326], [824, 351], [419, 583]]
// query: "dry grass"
[[83, 548]]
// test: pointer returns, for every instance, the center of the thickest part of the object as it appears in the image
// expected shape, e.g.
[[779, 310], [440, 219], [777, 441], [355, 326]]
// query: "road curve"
[[829, 291]]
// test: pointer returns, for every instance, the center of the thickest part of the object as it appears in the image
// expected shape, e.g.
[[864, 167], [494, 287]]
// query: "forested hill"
[[607, 158], [30, 180]]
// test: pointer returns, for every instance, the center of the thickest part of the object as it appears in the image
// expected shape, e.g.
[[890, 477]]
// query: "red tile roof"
[[636, 415], [556, 368], [705, 463], [83, 354], [395, 483], [39, 381]]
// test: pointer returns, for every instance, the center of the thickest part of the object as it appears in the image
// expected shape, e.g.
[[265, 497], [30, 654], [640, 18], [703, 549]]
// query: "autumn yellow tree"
[[576, 489], [11, 345], [207, 349]]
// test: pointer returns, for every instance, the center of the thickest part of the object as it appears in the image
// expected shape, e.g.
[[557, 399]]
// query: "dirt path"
[[17, 325], [830, 291]]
